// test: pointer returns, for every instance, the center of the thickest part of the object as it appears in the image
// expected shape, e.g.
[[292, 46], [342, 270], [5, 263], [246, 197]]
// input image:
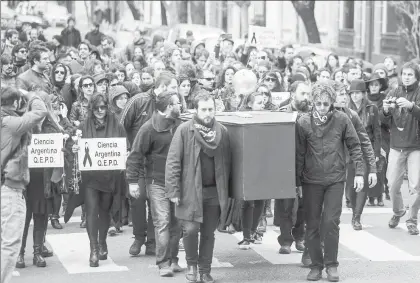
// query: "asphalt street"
[[376, 254]]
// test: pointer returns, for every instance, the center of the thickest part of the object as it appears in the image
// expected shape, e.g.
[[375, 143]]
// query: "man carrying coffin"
[[197, 178]]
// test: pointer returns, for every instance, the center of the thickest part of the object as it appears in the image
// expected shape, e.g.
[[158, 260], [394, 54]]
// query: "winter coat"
[[143, 43], [34, 81], [94, 37], [71, 37], [8, 80], [15, 138], [183, 173], [322, 160], [407, 137]]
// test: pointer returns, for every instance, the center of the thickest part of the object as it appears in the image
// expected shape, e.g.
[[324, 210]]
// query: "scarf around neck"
[[320, 123], [208, 137]]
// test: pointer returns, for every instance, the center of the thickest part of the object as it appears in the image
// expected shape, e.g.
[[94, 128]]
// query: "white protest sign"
[[102, 154], [279, 97], [45, 151], [263, 36]]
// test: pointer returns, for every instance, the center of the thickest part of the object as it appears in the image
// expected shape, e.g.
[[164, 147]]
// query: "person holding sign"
[[99, 186], [15, 137], [152, 143], [197, 178]]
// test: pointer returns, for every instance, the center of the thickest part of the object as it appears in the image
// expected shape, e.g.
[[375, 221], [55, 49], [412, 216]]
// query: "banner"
[[45, 151], [102, 154], [279, 97], [263, 36]]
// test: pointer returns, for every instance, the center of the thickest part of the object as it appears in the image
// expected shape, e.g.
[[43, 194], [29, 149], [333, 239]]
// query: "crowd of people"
[[357, 135]]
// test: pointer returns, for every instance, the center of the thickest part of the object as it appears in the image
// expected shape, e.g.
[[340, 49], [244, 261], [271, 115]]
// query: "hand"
[[68, 80], [76, 123], [299, 191], [404, 103], [373, 180], [358, 183], [386, 105], [63, 110], [175, 200], [134, 190], [66, 137], [75, 148]]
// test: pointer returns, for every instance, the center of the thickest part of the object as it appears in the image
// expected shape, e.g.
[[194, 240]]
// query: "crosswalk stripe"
[[15, 273], [183, 263], [369, 210], [73, 252], [371, 247]]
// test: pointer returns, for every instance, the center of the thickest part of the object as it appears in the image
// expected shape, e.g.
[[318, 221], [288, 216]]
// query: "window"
[[348, 15], [391, 20], [259, 13]]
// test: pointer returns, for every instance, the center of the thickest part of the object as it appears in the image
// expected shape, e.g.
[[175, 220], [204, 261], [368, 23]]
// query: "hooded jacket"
[[143, 43], [407, 137], [152, 142], [114, 93], [15, 138]]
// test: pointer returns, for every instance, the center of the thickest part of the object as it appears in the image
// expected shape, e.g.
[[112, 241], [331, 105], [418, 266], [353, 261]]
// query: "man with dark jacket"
[[138, 110], [197, 180], [71, 36], [401, 111], [321, 140], [15, 138], [94, 36], [152, 143]]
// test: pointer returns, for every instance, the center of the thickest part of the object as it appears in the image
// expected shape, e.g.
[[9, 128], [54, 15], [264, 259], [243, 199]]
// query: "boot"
[[103, 251], [56, 224], [94, 255], [191, 274], [356, 223], [38, 260], [20, 263], [46, 252]]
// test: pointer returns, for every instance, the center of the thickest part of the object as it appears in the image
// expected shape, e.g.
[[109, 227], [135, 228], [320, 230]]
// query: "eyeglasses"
[[319, 103], [261, 58], [100, 108], [270, 79], [59, 72], [264, 93], [87, 85], [209, 79], [23, 51], [102, 83]]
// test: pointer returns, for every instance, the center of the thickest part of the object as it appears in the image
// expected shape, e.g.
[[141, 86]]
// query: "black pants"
[[327, 201], [97, 206], [357, 200], [54, 205], [283, 212], [252, 211], [203, 255], [39, 228], [141, 226]]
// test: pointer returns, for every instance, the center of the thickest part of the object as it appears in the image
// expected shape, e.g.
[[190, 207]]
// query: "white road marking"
[[73, 252], [371, 210], [215, 264], [372, 247], [15, 273]]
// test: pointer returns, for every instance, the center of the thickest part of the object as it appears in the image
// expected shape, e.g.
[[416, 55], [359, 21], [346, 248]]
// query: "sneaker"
[[136, 247], [112, 231], [285, 250], [332, 274], [306, 259], [395, 220], [166, 272], [257, 237], [245, 244], [315, 274], [412, 228], [262, 226], [175, 267], [206, 278], [300, 246]]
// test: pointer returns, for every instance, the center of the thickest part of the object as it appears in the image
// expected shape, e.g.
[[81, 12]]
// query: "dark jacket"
[[144, 43], [94, 37], [71, 37], [15, 138], [409, 136], [322, 160], [8, 79], [183, 173], [34, 81], [138, 110], [378, 99], [152, 142]]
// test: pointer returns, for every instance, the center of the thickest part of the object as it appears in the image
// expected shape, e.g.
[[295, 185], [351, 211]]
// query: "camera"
[[392, 102]]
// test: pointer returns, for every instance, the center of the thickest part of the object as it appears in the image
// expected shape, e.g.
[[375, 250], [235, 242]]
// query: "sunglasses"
[[100, 108], [209, 79], [270, 79], [23, 51], [59, 72], [319, 103], [264, 93], [87, 85]]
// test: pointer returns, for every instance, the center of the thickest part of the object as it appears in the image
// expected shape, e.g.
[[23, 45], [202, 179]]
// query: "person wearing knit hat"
[[102, 83], [380, 69], [323, 137]]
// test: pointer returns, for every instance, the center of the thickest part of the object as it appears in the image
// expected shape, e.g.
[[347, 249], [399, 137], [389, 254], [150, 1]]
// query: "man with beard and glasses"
[[8, 76], [322, 138], [11, 39], [152, 143], [20, 59], [288, 213], [197, 181]]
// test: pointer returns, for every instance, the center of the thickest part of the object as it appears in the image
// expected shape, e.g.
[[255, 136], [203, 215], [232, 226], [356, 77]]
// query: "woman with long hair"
[[332, 63], [273, 80], [58, 76], [268, 99], [99, 186]]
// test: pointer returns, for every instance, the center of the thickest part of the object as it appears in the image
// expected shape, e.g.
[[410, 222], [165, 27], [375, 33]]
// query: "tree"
[[409, 24], [244, 5], [134, 10], [182, 8], [306, 11], [171, 11], [198, 12]]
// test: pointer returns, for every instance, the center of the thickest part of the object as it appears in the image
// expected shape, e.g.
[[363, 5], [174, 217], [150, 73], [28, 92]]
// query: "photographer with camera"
[[401, 111]]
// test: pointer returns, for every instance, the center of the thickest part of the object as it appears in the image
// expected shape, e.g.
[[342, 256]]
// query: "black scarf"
[[111, 126], [208, 137]]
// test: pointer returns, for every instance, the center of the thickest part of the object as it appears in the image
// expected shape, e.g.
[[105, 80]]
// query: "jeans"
[[252, 211], [358, 200], [13, 210], [97, 205], [167, 228], [327, 201], [142, 226], [203, 255], [398, 161], [284, 210]]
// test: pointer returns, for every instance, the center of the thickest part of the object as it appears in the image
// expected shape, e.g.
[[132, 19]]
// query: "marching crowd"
[[357, 135]]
